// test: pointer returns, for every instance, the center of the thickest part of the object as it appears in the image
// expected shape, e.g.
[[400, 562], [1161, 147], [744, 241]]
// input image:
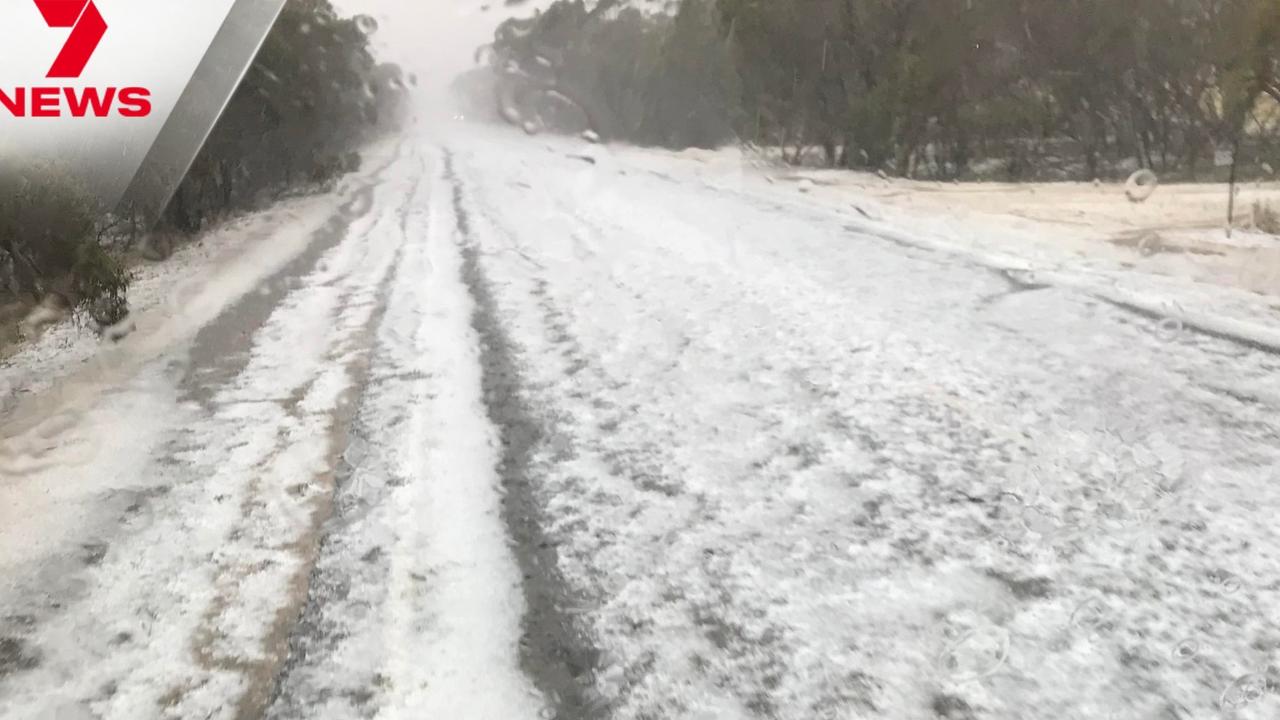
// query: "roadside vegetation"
[[313, 97], [943, 89]]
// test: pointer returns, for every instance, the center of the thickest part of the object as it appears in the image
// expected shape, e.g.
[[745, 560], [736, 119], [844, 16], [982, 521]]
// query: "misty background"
[[435, 40]]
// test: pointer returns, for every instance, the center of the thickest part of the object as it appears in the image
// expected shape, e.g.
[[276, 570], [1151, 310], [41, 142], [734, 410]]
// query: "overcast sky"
[[436, 39]]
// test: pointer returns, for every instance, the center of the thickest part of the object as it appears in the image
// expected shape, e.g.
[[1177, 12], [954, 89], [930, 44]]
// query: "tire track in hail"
[[311, 635], [554, 650]]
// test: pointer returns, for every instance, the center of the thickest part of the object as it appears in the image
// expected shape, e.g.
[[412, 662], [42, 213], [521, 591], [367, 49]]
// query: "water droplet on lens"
[[976, 654], [1242, 691], [1169, 329], [1090, 615], [1230, 583], [1186, 650], [355, 453]]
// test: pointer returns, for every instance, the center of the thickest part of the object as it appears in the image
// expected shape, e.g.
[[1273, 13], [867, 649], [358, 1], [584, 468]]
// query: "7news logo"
[[87, 30]]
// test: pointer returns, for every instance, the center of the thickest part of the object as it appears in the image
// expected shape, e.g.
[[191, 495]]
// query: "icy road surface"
[[525, 429]]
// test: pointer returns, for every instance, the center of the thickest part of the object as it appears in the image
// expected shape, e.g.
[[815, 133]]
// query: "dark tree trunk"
[[24, 271], [1231, 185]]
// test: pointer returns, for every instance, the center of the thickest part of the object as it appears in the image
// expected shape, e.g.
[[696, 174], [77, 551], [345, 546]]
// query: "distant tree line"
[[313, 96], [933, 88]]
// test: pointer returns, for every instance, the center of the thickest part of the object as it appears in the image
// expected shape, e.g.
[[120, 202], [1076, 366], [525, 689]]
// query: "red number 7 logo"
[[87, 29]]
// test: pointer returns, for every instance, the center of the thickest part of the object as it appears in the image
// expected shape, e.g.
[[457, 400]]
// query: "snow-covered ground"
[[176, 297], [520, 428], [1179, 231], [1169, 256], [811, 467]]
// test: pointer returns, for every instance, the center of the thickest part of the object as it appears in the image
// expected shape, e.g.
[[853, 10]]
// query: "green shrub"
[[101, 285]]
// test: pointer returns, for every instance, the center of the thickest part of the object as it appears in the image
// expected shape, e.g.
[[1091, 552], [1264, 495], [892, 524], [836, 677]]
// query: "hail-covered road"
[[528, 429]]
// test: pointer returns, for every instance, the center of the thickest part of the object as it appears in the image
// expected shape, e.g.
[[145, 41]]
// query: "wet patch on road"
[[220, 351]]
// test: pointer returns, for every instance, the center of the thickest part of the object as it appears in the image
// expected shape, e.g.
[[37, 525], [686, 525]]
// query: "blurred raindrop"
[[1244, 690], [975, 655], [1093, 617], [355, 453], [1227, 582], [1149, 245], [1186, 650], [1141, 185], [1169, 329]]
